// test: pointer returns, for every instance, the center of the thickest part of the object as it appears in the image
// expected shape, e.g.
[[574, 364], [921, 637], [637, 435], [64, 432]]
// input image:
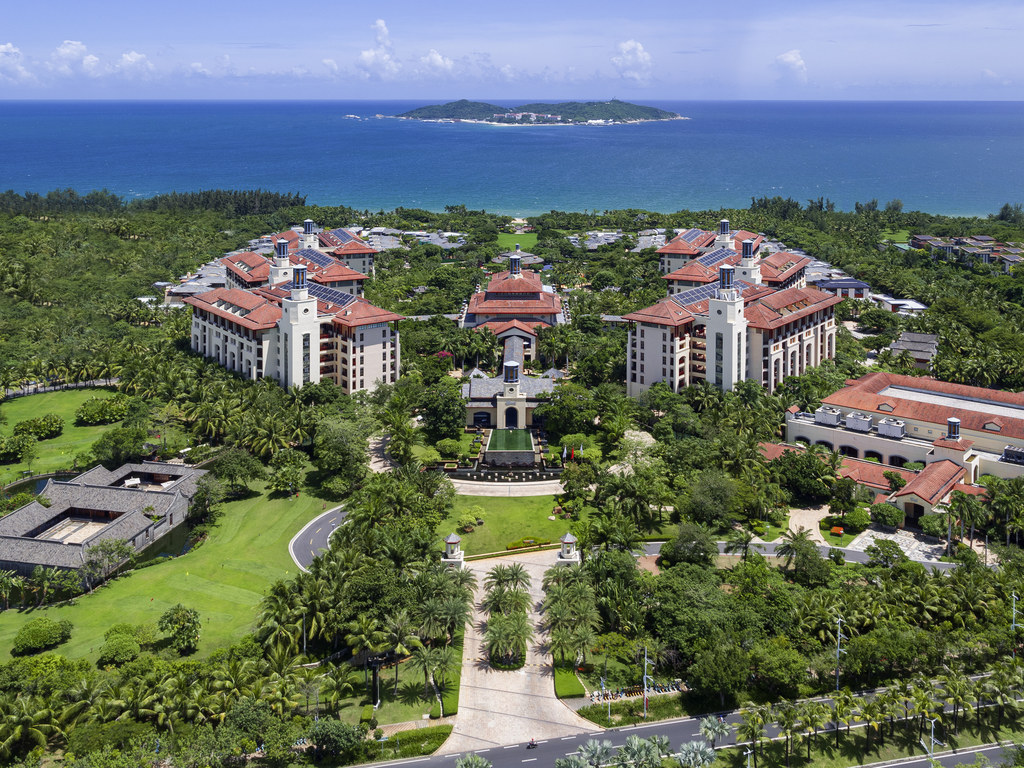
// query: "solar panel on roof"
[[703, 292], [715, 256], [316, 257], [325, 294], [343, 234], [692, 234]]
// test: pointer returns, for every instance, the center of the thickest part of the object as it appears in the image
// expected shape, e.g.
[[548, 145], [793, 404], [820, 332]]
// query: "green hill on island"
[[567, 112]]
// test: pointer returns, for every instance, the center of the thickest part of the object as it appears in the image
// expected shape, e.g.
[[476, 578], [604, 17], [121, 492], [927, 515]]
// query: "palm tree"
[[596, 753], [740, 540], [339, 683], [957, 690], [872, 713], [786, 719], [399, 639], [713, 729], [639, 753], [472, 760], [751, 728], [364, 637], [695, 754], [10, 583], [813, 715], [843, 711], [425, 659], [792, 541], [26, 719]]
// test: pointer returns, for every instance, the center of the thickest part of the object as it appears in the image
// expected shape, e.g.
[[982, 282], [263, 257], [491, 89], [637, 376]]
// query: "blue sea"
[[963, 158]]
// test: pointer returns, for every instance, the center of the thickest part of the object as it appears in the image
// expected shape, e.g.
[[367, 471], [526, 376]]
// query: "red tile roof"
[[526, 282], [353, 248], [248, 267], [362, 312], [786, 306], [934, 482], [959, 445], [546, 304], [780, 266], [665, 312], [245, 308], [863, 395], [497, 327]]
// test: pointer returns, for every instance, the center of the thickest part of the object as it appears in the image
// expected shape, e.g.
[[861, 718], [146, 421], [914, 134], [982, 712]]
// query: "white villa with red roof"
[[299, 318], [757, 321]]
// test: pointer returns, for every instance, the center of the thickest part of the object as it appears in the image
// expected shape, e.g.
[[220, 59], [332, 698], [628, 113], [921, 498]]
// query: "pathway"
[[809, 519], [315, 537], [474, 488], [498, 708]]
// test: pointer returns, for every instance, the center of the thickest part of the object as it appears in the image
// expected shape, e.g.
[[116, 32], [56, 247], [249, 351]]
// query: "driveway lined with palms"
[[495, 707]]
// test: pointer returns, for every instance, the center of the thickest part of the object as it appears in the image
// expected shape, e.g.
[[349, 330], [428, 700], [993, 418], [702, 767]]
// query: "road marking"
[[481, 751], [404, 762], [543, 742], [568, 738], [511, 746], [529, 760]]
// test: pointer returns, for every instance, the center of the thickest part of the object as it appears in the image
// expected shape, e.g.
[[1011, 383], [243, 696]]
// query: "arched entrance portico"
[[511, 418]]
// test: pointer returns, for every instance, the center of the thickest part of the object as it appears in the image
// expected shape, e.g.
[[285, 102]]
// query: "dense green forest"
[[569, 111]]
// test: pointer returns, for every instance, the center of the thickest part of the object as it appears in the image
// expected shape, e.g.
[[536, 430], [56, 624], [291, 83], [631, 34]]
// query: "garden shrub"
[[13, 447], [102, 410], [856, 520], [887, 514], [934, 525], [39, 635], [430, 457], [448, 447], [118, 650], [41, 428], [367, 714]]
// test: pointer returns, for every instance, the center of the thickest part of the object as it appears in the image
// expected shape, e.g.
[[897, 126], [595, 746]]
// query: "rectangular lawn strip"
[[506, 519], [527, 240], [59, 452], [567, 685], [510, 440], [224, 579]]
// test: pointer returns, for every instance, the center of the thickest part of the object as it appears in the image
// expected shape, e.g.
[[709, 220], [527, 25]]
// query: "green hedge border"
[[449, 704]]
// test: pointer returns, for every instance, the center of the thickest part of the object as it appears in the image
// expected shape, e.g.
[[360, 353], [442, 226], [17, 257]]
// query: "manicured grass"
[[896, 235], [224, 579], [510, 440], [506, 519], [567, 685], [58, 453], [527, 241], [410, 704]]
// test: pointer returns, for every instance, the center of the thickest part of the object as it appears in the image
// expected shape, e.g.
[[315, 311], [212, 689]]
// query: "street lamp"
[[934, 741]]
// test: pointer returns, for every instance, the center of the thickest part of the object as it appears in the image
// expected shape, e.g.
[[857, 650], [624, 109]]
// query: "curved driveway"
[[315, 537]]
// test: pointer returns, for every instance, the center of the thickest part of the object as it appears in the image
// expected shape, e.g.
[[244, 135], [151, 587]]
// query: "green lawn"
[[896, 235], [510, 440], [505, 520], [59, 452], [224, 579], [409, 704], [527, 241]]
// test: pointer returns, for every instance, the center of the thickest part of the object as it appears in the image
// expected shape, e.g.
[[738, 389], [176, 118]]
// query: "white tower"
[[309, 238], [724, 239], [281, 270], [299, 329], [726, 333], [750, 265]]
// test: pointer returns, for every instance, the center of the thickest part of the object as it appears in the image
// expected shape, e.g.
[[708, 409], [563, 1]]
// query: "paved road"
[[315, 537], [769, 548]]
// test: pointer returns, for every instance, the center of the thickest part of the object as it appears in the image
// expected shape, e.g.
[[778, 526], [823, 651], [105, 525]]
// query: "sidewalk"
[[473, 488]]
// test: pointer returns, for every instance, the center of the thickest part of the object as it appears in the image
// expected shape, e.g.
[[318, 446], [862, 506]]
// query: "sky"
[[675, 50]]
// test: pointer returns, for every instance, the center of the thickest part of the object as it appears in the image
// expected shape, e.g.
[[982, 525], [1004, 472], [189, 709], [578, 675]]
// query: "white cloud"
[[331, 64], [11, 67], [197, 68], [134, 64], [68, 58], [379, 62], [633, 62], [91, 66], [436, 64], [791, 66]]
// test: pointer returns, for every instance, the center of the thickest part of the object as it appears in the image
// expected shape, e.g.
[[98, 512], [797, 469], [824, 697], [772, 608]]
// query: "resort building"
[[983, 248], [138, 503], [779, 270], [738, 328], [297, 331], [895, 419], [694, 243], [514, 304], [507, 401], [921, 347], [925, 491]]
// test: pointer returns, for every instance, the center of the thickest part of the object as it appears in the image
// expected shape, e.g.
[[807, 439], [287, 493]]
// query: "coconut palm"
[[695, 754], [740, 540], [751, 728], [399, 639], [425, 659], [787, 719], [714, 728], [639, 753], [596, 753], [364, 637], [472, 760], [339, 683], [813, 716]]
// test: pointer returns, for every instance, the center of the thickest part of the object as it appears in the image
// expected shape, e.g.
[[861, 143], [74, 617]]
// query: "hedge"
[[567, 685], [41, 428], [449, 704], [118, 650], [102, 410], [414, 743], [39, 635], [527, 542]]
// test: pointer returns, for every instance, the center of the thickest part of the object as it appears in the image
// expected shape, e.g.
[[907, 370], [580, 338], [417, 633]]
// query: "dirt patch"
[[649, 563]]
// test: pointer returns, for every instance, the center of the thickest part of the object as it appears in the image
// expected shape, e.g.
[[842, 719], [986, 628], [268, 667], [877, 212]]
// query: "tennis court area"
[[510, 440]]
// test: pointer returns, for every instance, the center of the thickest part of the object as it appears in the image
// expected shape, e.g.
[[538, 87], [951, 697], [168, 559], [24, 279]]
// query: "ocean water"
[[963, 158]]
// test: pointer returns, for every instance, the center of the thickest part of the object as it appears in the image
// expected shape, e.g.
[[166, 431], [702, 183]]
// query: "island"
[[538, 113]]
